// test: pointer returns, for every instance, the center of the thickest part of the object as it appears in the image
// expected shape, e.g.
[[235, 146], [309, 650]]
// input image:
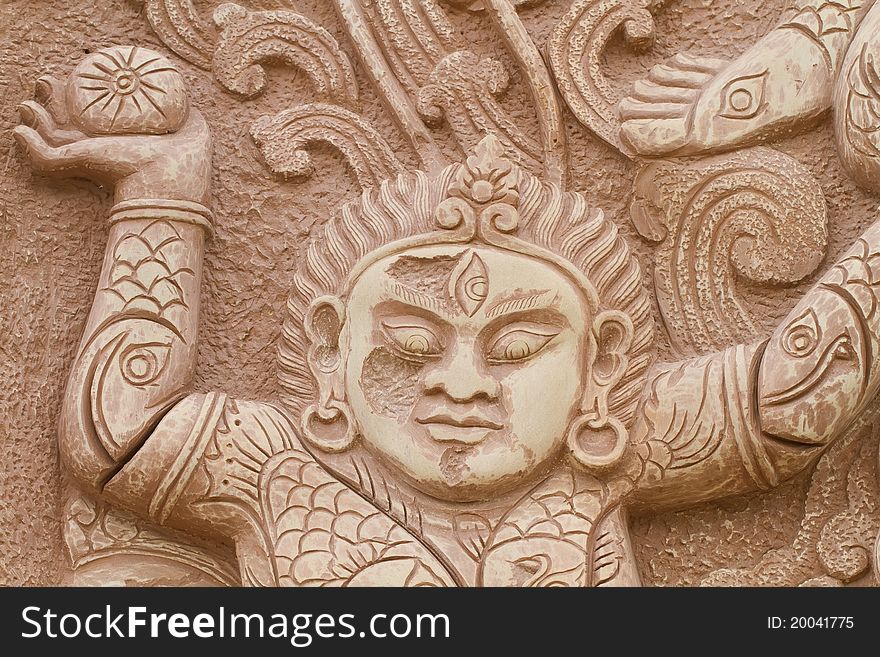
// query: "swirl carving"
[[575, 49], [756, 214], [282, 139], [252, 38]]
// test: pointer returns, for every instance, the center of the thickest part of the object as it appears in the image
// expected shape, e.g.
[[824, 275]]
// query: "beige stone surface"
[[676, 389]]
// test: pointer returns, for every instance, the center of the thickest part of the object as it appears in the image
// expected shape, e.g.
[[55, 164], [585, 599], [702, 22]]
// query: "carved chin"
[[461, 474], [454, 466]]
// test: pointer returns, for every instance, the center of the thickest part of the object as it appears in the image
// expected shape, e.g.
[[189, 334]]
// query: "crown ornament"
[[481, 205], [484, 193]]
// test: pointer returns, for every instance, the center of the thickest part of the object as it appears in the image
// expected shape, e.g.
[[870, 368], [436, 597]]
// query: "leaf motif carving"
[[94, 531], [544, 540], [325, 534]]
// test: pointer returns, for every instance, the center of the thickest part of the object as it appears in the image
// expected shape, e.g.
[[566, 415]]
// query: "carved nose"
[[461, 378]]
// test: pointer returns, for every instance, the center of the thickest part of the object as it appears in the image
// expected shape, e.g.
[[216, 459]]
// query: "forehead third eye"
[[478, 283], [451, 284]]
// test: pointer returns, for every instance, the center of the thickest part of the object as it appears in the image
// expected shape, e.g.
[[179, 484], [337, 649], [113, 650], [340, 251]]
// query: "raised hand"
[[694, 105], [121, 118], [656, 116]]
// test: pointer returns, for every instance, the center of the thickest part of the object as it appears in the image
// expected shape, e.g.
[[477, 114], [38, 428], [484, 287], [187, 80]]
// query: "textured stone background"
[[52, 235]]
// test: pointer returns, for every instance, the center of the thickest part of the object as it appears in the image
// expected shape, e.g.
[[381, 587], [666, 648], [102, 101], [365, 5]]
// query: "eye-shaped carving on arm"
[[802, 335], [518, 342], [743, 98], [412, 338], [141, 364]]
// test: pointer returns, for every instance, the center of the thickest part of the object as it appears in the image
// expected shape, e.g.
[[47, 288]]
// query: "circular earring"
[[597, 443], [328, 427]]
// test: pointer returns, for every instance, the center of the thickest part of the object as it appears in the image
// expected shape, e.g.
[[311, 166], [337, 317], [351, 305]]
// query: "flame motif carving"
[[575, 51]]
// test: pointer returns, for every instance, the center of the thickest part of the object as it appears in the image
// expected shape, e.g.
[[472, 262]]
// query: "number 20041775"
[[810, 622]]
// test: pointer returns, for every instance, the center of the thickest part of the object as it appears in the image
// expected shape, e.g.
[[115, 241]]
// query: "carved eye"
[[802, 335], [519, 343], [414, 339], [142, 364], [743, 98], [532, 565], [470, 283]]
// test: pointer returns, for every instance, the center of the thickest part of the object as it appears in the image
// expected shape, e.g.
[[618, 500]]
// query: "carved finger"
[[654, 137], [631, 108], [49, 92], [48, 158], [37, 117], [669, 76], [688, 62], [649, 92]]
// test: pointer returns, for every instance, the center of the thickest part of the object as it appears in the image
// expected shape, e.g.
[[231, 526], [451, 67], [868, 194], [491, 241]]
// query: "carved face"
[[465, 366]]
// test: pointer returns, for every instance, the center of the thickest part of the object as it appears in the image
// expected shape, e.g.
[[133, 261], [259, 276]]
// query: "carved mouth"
[[465, 422], [466, 430]]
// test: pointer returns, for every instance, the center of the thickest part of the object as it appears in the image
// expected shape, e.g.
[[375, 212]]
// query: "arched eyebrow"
[[417, 298], [521, 301]]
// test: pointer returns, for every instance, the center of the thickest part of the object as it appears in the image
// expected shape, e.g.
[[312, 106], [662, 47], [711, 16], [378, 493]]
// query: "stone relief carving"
[[855, 99], [471, 388], [249, 38], [409, 50], [282, 138], [838, 533], [107, 546], [575, 50]]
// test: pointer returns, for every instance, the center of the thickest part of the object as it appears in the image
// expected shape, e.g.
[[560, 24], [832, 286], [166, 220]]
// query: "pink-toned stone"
[[555, 320]]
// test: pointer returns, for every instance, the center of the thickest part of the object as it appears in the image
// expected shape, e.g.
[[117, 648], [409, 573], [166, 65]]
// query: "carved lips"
[[469, 429]]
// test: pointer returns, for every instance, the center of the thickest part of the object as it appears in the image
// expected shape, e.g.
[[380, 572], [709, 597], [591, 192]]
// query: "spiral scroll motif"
[[756, 214], [575, 50]]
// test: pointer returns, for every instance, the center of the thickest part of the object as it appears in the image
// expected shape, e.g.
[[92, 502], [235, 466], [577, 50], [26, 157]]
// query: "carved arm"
[[127, 123], [123, 119], [138, 351], [749, 417], [819, 371]]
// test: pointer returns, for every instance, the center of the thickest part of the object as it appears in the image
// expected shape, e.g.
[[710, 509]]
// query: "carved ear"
[[328, 424], [323, 324], [596, 439], [612, 335]]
